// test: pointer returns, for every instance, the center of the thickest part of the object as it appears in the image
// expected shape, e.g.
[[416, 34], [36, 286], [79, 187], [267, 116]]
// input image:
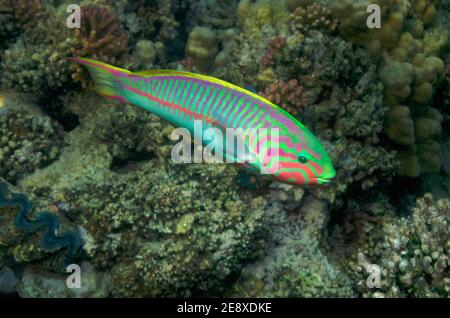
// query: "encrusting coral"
[[294, 265], [412, 251], [36, 62], [29, 140]]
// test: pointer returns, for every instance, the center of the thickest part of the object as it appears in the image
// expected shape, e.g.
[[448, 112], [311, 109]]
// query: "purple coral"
[[290, 95], [101, 37], [274, 45]]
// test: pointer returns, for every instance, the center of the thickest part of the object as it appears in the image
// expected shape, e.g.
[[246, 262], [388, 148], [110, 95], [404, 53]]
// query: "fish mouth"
[[323, 180]]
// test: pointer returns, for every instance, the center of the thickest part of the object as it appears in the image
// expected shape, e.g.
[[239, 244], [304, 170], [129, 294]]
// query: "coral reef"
[[344, 108], [180, 241], [140, 225], [28, 140], [295, 266], [409, 52], [101, 36], [36, 62], [313, 17], [412, 252], [288, 95], [160, 229], [274, 45], [19, 15]]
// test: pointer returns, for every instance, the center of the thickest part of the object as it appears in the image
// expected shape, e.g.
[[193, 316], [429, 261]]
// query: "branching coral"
[[274, 45], [288, 95], [313, 17], [101, 37]]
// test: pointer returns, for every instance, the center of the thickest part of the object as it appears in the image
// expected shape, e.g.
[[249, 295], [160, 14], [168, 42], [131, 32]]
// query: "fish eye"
[[302, 159]]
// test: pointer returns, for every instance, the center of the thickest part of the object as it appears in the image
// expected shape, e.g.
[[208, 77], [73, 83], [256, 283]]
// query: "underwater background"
[[90, 181]]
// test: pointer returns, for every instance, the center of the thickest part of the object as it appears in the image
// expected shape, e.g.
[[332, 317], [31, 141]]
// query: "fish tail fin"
[[103, 75]]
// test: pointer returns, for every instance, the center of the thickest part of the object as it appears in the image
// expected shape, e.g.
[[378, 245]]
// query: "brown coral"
[[101, 37], [290, 96], [274, 45], [19, 15], [313, 17]]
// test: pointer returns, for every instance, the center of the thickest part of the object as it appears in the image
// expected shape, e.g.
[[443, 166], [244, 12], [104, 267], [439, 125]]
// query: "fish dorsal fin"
[[149, 73], [208, 78]]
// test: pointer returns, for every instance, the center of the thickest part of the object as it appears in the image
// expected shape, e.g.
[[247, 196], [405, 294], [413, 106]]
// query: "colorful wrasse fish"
[[181, 98]]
